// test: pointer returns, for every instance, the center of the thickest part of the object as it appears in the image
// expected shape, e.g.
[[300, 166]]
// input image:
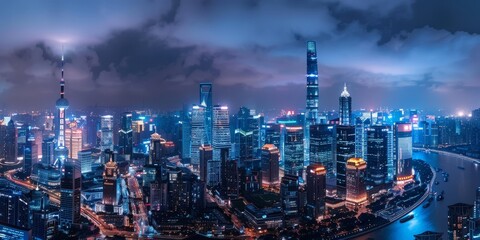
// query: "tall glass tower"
[[312, 84], [61, 152], [311, 114], [206, 102], [345, 107]]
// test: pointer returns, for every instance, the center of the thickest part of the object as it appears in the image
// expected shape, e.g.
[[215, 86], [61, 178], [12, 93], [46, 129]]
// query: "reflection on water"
[[460, 187]]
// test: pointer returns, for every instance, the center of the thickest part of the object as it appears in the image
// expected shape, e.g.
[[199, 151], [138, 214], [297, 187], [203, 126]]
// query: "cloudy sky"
[[412, 54]]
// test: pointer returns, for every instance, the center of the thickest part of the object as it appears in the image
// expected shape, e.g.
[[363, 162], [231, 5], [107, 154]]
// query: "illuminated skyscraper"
[[356, 191], [61, 151], [292, 150], [476, 206], [73, 140], [270, 166], [157, 144], [403, 151], [206, 102], [111, 190], [311, 114], [70, 191], [14, 208], [48, 154], [30, 155], [206, 155], [11, 144], [106, 132], [345, 150], [377, 154], [221, 130], [198, 134], [85, 158], [345, 107], [247, 134], [125, 138], [322, 147], [316, 190]]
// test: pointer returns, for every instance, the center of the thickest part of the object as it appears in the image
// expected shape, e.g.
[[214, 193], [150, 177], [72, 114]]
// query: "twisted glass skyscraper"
[[311, 114]]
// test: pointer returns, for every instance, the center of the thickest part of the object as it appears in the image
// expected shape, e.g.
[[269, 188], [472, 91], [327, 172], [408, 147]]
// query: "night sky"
[[411, 54]]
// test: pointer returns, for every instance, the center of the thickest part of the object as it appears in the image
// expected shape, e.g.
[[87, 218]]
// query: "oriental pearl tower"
[[61, 152]]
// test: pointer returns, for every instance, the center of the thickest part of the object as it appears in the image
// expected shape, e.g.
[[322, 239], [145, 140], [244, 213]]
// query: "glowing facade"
[[345, 102], [74, 140], [316, 190], [106, 132], [61, 151], [356, 191], [206, 102], [270, 166], [198, 134], [221, 130], [403, 151]]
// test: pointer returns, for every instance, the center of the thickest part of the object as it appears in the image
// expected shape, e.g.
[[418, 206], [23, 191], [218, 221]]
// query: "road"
[[86, 212]]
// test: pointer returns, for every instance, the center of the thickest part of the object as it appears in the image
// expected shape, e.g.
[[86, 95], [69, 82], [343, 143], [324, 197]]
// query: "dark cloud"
[[154, 53]]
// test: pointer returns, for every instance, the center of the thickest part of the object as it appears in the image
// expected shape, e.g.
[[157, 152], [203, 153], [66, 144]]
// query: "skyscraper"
[[198, 134], [30, 156], [270, 166], [221, 130], [311, 114], [125, 138], [14, 208], [61, 151], [111, 189], [206, 155], [206, 102], [106, 132], [156, 154], [345, 150], [316, 190], [289, 195], [476, 212], [322, 147], [247, 134], [85, 158], [345, 112], [377, 154], [11, 145], [458, 218], [48, 154], [403, 151], [70, 190], [73, 140], [356, 191], [292, 150], [229, 175]]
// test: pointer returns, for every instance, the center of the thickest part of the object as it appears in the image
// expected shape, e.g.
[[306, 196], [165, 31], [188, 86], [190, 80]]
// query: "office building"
[[345, 113], [322, 147], [458, 220], [85, 159], [206, 155], [229, 175], [270, 166], [14, 209], [73, 140], [377, 154], [106, 132], [221, 130], [48, 151], [403, 152], [292, 150], [70, 190], [198, 134], [289, 195], [345, 150], [316, 190], [157, 149], [247, 134], [11, 144], [125, 135], [356, 189], [206, 103]]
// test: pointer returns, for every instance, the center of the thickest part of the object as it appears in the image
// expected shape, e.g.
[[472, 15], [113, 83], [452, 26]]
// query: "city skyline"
[[160, 51]]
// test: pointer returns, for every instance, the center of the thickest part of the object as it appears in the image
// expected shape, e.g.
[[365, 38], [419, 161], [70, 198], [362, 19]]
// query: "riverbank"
[[447, 153], [399, 214]]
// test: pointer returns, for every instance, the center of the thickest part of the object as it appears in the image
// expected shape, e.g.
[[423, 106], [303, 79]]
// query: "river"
[[460, 188]]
